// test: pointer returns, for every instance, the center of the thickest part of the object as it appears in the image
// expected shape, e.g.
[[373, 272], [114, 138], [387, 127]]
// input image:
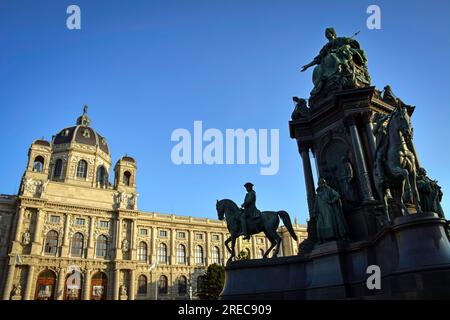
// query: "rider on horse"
[[249, 209]]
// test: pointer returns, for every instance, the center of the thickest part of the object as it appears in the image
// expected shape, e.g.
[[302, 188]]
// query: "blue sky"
[[146, 68]]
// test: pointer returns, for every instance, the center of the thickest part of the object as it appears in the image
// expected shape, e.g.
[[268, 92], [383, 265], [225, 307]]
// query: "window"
[[182, 285], [199, 236], [181, 254], [216, 255], [102, 177], [102, 246], [77, 245], [200, 282], [163, 233], [162, 253], [127, 178], [103, 224], [260, 240], [57, 171], [51, 242], [82, 169], [198, 255], [142, 251], [216, 237], [182, 235], [38, 164], [162, 285], [143, 232], [142, 284], [79, 221], [55, 219]]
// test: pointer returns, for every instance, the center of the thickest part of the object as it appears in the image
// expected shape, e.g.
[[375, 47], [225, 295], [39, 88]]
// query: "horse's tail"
[[287, 223]]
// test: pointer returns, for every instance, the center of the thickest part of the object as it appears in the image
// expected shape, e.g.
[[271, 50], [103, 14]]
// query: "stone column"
[[133, 239], [309, 179], [254, 253], [9, 281], [116, 283], [172, 249], [363, 175], [66, 240], [19, 224], [60, 287], [86, 285], [208, 249], [29, 284], [91, 240], [369, 132], [37, 238], [119, 222], [191, 249], [153, 248], [132, 291]]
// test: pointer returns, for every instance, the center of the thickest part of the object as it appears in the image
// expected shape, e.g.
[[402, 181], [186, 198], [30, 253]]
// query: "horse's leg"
[[233, 244], [272, 243], [226, 244]]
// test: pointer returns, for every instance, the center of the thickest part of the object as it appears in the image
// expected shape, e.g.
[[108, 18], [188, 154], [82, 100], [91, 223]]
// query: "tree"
[[211, 284]]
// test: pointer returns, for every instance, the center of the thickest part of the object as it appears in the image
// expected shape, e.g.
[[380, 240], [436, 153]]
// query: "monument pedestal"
[[413, 255]]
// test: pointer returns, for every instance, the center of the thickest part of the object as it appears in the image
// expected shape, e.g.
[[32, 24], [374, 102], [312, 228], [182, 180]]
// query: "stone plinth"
[[413, 255]]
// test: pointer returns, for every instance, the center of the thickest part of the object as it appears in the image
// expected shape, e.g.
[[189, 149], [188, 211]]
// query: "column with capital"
[[363, 174], [153, 249], [132, 291], [309, 179], [60, 288], [86, 285], [29, 284], [21, 213], [116, 284], [91, 250], [118, 236], [191, 255], [133, 239], [9, 280], [65, 245], [37, 237]]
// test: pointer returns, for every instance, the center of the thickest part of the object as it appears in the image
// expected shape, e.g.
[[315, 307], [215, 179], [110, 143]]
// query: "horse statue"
[[266, 222], [395, 166]]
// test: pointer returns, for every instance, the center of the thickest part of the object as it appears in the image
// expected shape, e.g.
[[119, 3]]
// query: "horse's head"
[[220, 210], [402, 120]]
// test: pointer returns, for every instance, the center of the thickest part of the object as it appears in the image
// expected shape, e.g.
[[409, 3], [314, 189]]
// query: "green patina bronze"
[[340, 64], [248, 220], [330, 221]]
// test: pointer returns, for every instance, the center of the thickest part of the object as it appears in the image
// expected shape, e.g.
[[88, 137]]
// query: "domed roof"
[[82, 133], [128, 159], [41, 142]]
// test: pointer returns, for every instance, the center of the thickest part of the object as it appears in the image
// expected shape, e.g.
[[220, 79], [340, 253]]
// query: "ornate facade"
[[71, 234]]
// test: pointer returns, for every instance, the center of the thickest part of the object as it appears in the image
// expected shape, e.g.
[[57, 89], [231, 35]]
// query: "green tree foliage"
[[212, 283]]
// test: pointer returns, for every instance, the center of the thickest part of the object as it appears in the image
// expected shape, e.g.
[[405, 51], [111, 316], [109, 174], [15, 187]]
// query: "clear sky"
[[146, 68]]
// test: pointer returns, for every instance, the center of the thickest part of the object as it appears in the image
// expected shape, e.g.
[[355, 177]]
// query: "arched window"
[[127, 178], [38, 164], [98, 286], [77, 245], [45, 286], [181, 254], [102, 246], [82, 169], [57, 171], [142, 284], [162, 288], [260, 253], [215, 255], [182, 285], [142, 251], [199, 255], [162, 253], [102, 177], [51, 242]]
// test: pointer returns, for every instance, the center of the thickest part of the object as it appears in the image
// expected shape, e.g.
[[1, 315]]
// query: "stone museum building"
[[71, 234]]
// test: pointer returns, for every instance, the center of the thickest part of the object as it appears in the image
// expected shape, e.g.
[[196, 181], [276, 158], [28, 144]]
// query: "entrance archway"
[[73, 288], [45, 285], [99, 286]]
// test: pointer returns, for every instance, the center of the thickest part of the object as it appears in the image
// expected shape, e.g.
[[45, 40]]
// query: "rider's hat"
[[248, 184]]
